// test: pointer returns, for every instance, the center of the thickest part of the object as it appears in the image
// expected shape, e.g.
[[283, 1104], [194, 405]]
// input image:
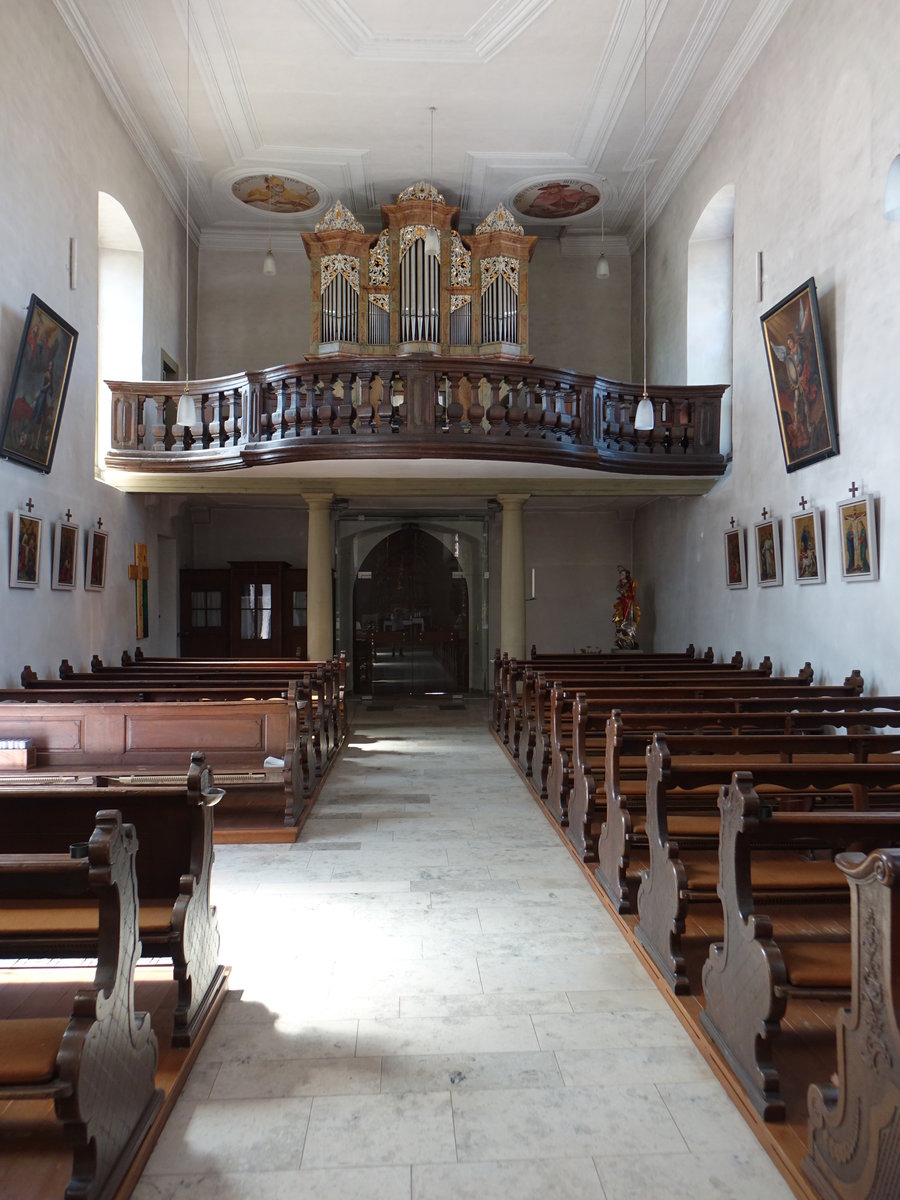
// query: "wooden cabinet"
[[245, 610]]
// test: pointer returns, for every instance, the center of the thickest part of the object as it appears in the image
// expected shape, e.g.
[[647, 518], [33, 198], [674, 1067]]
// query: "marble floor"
[[429, 1001]]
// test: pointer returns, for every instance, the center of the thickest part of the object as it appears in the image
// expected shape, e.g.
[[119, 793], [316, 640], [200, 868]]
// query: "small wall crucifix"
[[140, 573]]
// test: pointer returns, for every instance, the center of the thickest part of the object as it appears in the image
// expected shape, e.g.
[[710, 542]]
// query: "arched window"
[[120, 308], [710, 301]]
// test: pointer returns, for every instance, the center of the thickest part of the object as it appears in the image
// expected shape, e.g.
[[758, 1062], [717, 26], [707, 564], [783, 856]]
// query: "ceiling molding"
[[491, 33], [120, 104], [683, 70], [611, 86], [219, 68], [751, 42], [239, 238]]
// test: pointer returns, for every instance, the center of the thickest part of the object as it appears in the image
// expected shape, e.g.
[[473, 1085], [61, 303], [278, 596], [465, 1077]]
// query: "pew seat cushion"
[[28, 1049], [817, 964], [778, 873], [76, 918]]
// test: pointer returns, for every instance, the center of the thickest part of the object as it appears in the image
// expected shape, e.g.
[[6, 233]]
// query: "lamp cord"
[[644, 139], [187, 207]]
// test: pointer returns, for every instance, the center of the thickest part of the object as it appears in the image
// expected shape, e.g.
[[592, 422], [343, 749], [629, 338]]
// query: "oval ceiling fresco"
[[556, 199], [275, 193]]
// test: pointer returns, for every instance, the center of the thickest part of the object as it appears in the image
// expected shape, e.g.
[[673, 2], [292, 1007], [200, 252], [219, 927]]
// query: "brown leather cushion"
[[818, 964], [28, 1049], [77, 918]]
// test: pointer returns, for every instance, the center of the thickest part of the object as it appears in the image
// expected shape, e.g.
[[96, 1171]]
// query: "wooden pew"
[[516, 702], [749, 976], [854, 1132], [672, 881], [98, 1066], [604, 812], [175, 827], [527, 706], [556, 774], [121, 731]]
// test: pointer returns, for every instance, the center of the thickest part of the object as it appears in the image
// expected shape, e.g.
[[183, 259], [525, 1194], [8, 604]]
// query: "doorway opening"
[[411, 618]]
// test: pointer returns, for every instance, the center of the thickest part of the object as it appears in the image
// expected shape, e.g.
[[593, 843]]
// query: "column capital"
[[513, 499], [317, 500]]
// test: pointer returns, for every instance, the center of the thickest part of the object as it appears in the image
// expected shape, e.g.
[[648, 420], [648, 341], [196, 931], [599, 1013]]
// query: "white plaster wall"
[[807, 141], [574, 549], [60, 144], [577, 321], [247, 320]]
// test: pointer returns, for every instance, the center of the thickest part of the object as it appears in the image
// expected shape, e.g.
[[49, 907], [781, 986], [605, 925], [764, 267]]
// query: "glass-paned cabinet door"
[[256, 612]]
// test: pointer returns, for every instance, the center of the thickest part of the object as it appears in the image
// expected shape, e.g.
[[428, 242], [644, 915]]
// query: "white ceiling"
[[337, 92]]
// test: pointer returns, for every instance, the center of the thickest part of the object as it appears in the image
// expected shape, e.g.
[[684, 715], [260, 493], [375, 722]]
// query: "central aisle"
[[429, 1002]]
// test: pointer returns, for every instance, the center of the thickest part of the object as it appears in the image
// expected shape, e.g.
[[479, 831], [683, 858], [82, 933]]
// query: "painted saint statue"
[[626, 612]]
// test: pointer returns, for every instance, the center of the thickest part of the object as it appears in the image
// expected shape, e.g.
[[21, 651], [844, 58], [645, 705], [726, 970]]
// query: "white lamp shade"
[[603, 267], [644, 418], [432, 242], [269, 267], [187, 410], [892, 191]]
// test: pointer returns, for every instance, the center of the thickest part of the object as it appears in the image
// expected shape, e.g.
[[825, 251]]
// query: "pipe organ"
[[419, 286]]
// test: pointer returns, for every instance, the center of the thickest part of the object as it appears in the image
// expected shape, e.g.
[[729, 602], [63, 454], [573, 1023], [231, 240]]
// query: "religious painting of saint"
[[275, 193], [808, 546], [735, 558], [38, 389], [768, 553], [856, 538], [95, 561], [25, 556], [557, 199], [65, 557], [799, 376]]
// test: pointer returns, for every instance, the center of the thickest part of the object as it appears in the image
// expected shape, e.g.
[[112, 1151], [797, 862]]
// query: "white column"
[[512, 576], [319, 598]]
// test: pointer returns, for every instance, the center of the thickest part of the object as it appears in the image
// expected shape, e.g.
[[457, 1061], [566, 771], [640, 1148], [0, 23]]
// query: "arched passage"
[[411, 616], [120, 308], [710, 301]]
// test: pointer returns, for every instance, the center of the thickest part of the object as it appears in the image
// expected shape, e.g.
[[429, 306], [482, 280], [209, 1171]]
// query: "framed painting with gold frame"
[[65, 557], [808, 546], [735, 558], [767, 541], [25, 551], [857, 541]]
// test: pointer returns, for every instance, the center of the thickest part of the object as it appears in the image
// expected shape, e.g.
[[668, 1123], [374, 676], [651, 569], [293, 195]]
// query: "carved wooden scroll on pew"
[[173, 880], [749, 976], [854, 1129], [103, 1080]]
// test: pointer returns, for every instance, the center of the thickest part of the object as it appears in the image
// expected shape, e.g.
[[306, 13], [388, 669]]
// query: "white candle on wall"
[[532, 583]]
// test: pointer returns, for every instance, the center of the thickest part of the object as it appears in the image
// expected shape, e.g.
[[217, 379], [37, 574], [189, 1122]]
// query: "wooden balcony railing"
[[414, 407]]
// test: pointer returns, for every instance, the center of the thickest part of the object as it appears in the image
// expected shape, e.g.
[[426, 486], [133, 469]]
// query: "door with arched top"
[[411, 617]]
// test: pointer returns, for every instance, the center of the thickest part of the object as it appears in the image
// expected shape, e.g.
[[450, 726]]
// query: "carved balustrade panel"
[[411, 406]]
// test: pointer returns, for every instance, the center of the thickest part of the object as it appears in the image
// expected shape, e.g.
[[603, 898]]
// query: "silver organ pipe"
[[340, 311], [500, 312], [420, 284], [379, 325], [461, 325]]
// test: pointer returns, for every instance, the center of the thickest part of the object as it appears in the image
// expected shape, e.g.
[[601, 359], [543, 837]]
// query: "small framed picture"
[[768, 553], [735, 558], [95, 561], [807, 546], [25, 556], [856, 539], [65, 557]]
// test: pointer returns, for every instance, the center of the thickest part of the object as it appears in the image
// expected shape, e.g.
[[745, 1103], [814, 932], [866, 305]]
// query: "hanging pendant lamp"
[[269, 267], [432, 237]]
